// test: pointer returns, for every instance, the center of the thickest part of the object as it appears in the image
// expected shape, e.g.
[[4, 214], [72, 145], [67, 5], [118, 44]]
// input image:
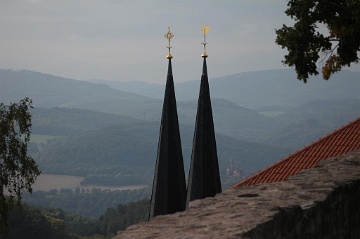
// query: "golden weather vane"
[[205, 31], [168, 36]]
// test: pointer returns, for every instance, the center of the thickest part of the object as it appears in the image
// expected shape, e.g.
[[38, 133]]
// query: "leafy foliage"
[[32, 223], [18, 170], [119, 218], [38, 222], [304, 41], [76, 226]]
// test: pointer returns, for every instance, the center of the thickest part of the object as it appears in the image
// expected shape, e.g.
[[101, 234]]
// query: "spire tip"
[[168, 36], [205, 31]]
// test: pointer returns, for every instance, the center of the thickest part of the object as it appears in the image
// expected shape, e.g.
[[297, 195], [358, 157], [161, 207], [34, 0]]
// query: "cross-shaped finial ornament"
[[204, 30], [168, 36]]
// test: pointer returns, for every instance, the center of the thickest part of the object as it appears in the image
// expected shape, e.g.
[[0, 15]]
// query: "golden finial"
[[204, 30], [168, 36]]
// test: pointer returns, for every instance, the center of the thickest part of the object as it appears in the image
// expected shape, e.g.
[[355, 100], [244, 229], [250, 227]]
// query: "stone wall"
[[322, 202]]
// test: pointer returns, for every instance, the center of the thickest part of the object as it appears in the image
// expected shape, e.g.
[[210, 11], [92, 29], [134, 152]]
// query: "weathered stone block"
[[322, 202]]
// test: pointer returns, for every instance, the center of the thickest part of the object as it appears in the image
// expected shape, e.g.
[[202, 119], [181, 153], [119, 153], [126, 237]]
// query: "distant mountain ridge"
[[49, 91], [254, 90], [230, 118], [93, 130], [53, 91], [259, 89], [306, 123]]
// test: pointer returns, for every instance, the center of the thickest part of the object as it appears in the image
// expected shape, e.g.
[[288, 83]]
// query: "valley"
[[102, 137]]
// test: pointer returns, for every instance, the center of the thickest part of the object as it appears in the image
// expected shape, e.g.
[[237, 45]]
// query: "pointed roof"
[[169, 186], [337, 143], [204, 177]]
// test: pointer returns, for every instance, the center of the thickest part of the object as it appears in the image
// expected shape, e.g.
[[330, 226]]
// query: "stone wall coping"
[[238, 212]]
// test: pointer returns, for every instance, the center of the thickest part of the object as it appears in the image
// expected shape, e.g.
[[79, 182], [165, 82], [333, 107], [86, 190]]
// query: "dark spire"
[[169, 186], [204, 178]]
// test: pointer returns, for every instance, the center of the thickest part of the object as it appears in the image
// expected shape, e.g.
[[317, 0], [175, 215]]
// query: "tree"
[[304, 41], [18, 171]]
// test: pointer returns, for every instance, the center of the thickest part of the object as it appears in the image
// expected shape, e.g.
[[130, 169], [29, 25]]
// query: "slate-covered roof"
[[204, 177], [169, 186], [339, 142]]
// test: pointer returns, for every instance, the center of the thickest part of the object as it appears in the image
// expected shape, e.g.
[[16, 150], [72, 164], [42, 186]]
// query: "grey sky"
[[124, 40]]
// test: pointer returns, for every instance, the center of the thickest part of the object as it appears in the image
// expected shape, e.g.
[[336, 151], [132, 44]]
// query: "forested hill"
[[53, 91], [308, 122], [260, 88], [66, 121], [280, 88], [49, 91], [114, 149], [109, 136], [254, 90], [273, 91], [110, 148], [126, 153]]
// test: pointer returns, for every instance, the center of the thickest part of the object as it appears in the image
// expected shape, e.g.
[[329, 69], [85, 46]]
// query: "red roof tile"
[[339, 142]]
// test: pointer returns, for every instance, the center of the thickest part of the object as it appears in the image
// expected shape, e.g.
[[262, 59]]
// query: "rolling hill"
[[306, 123], [52, 91], [260, 89], [97, 130], [67, 121], [129, 152], [49, 91]]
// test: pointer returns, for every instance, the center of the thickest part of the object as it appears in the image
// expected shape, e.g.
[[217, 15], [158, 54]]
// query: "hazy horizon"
[[124, 40]]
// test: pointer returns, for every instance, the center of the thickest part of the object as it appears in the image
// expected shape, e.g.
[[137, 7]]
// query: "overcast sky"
[[124, 40]]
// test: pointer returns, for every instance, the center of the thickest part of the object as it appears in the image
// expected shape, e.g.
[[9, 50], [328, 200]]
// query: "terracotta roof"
[[339, 142]]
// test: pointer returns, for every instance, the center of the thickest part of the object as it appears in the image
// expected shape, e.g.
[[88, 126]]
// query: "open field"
[[46, 182]]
